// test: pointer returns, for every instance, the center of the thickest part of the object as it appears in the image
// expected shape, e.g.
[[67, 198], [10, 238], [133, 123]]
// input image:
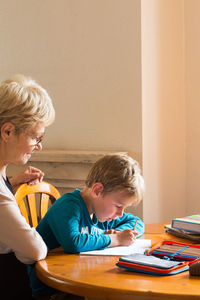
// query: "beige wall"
[[163, 109], [171, 106], [88, 56], [192, 90], [124, 77]]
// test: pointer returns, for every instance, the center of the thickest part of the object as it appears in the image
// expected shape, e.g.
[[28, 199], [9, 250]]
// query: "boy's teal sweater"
[[68, 224]]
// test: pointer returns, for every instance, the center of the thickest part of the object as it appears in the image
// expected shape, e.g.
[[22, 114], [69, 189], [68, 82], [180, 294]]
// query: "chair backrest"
[[34, 200]]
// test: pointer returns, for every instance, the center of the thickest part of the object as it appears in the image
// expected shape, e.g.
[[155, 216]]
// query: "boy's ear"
[[6, 130], [97, 189]]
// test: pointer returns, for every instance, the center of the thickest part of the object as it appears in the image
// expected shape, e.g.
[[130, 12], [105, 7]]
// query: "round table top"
[[99, 277]]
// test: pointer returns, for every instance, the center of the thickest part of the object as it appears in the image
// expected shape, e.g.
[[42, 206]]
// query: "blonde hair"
[[117, 173], [24, 102]]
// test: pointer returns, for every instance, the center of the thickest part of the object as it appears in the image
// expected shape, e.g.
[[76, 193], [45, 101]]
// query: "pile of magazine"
[[182, 233]]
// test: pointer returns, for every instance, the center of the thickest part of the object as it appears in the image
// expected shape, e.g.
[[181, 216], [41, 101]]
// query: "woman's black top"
[[9, 186]]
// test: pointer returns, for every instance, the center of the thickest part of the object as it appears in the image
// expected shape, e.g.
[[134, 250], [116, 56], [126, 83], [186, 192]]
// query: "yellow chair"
[[34, 200]]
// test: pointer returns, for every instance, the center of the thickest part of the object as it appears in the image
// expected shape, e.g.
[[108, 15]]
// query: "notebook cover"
[[139, 266], [149, 261], [152, 271]]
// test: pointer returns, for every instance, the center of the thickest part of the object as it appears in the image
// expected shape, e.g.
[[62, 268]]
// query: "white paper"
[[139, 246]]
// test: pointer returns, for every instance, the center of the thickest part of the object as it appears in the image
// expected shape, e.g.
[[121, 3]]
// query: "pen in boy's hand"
[[135, 225]]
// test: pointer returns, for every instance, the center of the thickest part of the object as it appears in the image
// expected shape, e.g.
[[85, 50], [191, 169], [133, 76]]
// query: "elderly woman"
[[25, 110]]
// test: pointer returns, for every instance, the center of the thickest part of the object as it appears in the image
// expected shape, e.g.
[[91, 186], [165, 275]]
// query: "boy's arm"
[[127, 221], [65, 225]]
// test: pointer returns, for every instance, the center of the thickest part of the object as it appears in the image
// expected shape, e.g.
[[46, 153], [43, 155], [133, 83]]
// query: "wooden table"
[[97, 277]]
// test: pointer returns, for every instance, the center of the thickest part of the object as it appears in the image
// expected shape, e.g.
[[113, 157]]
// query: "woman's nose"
[[39, 147]]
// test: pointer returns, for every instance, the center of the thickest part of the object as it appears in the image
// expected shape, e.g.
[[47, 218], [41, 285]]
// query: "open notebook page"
[[139, 246]]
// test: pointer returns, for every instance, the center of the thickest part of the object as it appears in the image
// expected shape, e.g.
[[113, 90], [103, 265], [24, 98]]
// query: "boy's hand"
[[123, 238], [126, 237]]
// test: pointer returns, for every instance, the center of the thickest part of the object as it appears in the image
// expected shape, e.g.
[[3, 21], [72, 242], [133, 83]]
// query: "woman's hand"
[[30, 176]]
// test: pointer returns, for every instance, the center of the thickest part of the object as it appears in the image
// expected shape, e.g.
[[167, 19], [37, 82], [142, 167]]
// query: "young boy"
[[94, 218]]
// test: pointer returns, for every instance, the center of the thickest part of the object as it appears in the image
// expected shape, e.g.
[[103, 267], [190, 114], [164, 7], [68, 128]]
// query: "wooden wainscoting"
[[66, 170]]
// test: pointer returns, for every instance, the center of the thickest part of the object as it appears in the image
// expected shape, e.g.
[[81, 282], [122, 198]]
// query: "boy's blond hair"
[[117, 173], [23, 102]]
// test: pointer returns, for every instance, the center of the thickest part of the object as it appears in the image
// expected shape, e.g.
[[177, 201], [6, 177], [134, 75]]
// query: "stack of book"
[[186, 227]]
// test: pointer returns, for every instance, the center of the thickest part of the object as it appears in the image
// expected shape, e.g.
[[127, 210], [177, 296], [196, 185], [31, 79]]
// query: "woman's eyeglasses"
[[37, 140]]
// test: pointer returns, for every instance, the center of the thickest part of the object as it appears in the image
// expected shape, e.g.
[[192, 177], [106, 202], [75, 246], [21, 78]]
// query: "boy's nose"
[[120, 212]]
